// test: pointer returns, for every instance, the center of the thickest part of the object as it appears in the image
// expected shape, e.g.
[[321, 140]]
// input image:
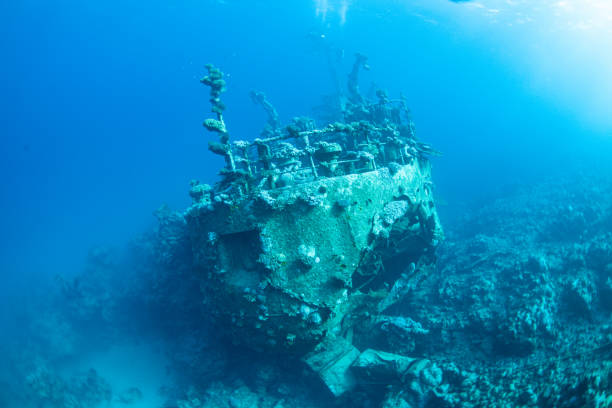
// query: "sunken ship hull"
[[312, 238], [286, 266]]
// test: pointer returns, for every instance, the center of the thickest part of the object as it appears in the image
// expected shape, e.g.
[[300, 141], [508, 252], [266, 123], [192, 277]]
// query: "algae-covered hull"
[[286, 266]]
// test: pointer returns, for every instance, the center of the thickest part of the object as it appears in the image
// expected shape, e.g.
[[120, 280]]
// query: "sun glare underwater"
[[328, 203]]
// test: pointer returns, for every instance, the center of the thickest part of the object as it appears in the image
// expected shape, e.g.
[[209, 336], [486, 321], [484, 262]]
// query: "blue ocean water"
[[101, 111]]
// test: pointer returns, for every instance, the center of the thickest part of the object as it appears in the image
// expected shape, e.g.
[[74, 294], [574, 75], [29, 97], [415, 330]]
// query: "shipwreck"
[[313, 235]]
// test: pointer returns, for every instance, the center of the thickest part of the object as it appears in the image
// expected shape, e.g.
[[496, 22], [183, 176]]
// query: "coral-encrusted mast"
[[215, 81]]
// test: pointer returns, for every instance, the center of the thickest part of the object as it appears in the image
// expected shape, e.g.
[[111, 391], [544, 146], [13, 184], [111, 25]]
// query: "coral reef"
[[515, 288], [50, 390]]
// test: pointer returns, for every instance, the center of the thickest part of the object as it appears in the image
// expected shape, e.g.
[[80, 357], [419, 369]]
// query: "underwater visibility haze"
[[391, 203]]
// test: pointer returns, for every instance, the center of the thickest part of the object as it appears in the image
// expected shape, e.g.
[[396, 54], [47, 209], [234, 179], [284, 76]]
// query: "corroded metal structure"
[[312, 231]]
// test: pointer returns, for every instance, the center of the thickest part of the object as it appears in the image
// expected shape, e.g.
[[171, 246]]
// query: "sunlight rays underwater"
[[562, 45]]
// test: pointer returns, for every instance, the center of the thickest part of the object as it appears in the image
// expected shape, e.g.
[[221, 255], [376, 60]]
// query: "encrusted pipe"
[[308, 150]]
